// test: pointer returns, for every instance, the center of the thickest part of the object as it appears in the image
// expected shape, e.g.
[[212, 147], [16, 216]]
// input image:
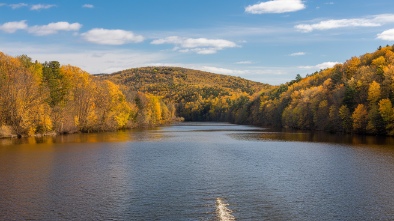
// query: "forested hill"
[[174, 80], [198, 95], [355, 96]]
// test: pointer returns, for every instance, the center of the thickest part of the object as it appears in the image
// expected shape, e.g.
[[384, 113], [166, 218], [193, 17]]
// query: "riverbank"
[[6, 131]]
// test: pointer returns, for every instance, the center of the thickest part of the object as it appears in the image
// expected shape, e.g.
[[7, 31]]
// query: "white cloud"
[[325, 65], [41, 6], [11, 27], [244, 62], [387, 35], [2, 4], [332, 24], [371, 21], [19, 5], [384, 18], [320, 66], [87, 6], [53, 28], [197, 45], [111, 37], [217, 70], [275, 6], [297, 54]]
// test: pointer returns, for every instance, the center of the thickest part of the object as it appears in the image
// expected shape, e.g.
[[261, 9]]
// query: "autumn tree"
[[351, 66], [78, 101], [360, 118], [113, 111], [23, 100], [373, 93], [375, 122], [387, 113]]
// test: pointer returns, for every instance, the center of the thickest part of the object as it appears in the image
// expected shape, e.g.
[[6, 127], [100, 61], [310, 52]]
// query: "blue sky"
[[266, 41]]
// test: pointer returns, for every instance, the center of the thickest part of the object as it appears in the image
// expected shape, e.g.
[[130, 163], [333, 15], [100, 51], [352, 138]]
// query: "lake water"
[[197, 171]]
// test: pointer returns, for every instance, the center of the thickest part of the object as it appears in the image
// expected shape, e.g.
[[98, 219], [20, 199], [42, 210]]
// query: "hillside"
[[353, 97], [169, 81], [198, 95]]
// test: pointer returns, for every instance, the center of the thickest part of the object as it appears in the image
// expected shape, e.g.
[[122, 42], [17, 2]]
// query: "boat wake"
[[223, 213]]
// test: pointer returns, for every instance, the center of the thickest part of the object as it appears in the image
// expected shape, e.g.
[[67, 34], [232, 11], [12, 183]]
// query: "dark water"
[[197, 172]]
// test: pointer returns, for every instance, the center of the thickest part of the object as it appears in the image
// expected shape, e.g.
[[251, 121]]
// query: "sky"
[[266, 41]]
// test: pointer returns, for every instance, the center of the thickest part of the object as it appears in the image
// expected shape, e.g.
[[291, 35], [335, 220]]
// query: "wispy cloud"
[[11, 27], [297, 54], [271, 75], [53, 28], [87, 6], [35, 7], [41, 6], [244, 62], [275, 6], [19, 5], [320, 66], [197, 45], [387, 35], [371, 21], [111, 36]]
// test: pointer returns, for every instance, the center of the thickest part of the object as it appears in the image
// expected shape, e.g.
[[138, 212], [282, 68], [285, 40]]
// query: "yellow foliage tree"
[[22, 98], [351, 66], [360, 118], [374, 92], [387, 112], [118, 109]]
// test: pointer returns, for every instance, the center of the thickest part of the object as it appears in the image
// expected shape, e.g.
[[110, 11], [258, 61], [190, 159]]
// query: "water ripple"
[[223, 213]]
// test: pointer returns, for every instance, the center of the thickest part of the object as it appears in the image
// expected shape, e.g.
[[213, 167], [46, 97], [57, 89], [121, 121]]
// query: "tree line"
[[37, 98], [42, 98], [354, 97]]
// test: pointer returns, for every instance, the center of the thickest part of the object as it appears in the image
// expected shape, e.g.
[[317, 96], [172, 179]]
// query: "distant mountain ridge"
[[198, 95], [165, 79]]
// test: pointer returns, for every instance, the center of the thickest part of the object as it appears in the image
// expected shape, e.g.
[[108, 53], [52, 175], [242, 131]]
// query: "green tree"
[[53, 78], [345, 116]]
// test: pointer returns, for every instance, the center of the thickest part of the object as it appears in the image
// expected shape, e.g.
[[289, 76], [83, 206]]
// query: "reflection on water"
[[322, 137], [223, 213], [119, 136], [178, 172]]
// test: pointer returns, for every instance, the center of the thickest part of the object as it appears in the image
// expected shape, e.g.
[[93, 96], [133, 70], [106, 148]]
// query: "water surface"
[[197, 171]]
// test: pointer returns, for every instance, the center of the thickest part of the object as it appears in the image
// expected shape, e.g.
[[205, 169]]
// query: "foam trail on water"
[[223, 213]]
